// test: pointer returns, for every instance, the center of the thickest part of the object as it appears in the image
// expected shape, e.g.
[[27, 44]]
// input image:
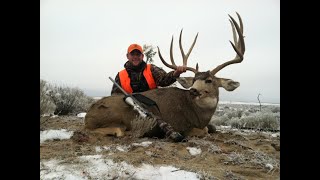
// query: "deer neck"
[[204, 109]]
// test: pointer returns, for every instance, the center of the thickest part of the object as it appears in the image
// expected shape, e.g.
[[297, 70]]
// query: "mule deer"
[[186, 111]]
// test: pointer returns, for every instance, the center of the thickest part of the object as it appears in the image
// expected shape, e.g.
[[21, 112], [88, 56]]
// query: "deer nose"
[[194, 92]]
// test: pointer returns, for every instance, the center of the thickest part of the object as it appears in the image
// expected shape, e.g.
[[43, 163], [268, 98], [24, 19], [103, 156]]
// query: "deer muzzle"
[[194, 92]]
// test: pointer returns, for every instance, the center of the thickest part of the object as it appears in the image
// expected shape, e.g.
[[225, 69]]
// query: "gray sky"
[[83, 42]]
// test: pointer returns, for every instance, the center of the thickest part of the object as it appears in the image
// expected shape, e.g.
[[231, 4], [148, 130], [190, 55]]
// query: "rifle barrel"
[[114, 82]]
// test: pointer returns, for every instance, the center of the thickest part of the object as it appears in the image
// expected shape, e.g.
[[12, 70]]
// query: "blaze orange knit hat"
[[133, 47]]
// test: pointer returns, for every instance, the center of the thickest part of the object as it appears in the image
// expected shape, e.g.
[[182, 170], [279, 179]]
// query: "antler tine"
[[181, 49], [194, 70], [194, 42], [241, 46], [238, 45], [235, 39], [164, 62], [240, 21], [171, 54], [184, 57]]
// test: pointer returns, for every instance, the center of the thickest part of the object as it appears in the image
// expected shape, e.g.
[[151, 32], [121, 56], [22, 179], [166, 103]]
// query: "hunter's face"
[[135, 57]]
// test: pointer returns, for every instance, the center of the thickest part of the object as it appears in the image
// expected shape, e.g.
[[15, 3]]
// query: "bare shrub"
[[275, 109], [225, 121], [261, 120], [83, 103], [246, 113], [235, 123], [253, 110], [262, 160], [235, 158], [256, 158], [269, 121], [247, 117], [218, 121], [249, 122], [69, 100], [46, 104], [236, 113]]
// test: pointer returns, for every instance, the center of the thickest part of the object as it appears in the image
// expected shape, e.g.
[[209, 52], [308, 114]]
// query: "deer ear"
[[186, 82], [228, 84]]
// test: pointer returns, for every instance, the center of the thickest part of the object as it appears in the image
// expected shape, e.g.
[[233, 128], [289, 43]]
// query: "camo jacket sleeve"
[[161, 77], [115, 90]]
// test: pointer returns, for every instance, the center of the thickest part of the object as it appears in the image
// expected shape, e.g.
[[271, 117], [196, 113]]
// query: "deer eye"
[[208, 81]]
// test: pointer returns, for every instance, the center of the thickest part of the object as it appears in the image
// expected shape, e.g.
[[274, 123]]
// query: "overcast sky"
[[83, 42]]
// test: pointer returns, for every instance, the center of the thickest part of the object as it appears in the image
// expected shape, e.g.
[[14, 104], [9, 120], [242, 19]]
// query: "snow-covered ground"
[[100, 167]]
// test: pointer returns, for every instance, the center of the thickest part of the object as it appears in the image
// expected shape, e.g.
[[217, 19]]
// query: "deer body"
[[184, 114], [184, 110]]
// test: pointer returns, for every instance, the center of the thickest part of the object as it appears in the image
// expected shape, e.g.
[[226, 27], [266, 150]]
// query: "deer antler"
[[184, 57], [238, 45]]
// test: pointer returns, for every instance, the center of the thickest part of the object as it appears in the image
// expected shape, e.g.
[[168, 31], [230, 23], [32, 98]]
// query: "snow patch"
[[143, 144], [55, 134], [194, 151]]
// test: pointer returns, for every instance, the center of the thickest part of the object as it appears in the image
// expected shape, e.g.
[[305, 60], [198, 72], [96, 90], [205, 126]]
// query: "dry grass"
[[255, 158], [142, 125]]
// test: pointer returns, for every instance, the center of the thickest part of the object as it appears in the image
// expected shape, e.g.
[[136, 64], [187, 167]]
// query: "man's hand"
[[179, 70]]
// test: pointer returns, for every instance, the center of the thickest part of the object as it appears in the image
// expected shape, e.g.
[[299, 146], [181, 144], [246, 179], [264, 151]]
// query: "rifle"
[[131, 100], [137, 106]]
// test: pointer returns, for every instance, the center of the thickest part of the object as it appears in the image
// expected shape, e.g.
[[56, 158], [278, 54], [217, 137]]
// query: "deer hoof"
[[211, 128]]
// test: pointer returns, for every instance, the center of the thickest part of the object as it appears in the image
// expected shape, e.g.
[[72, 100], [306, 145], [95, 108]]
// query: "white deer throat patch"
[[207, 102]]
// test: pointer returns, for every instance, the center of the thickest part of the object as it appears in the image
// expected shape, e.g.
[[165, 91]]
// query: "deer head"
[[204, 85]]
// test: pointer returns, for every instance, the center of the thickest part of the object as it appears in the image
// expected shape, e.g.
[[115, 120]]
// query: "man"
[[139, 76]]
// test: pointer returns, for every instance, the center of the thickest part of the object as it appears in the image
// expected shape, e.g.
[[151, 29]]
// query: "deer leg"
[[114, 131], [198, 132], [169, 131]]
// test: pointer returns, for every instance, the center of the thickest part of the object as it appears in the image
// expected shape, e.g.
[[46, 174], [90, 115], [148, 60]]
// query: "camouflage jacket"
[[135, 72]]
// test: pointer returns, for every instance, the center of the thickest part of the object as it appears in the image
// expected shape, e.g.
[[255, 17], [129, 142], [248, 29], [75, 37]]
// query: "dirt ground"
[[225, 154]]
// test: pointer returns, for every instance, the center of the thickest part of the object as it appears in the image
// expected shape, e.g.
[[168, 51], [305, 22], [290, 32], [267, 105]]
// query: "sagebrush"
[[46, 104], [248, 117], [66, 100]]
